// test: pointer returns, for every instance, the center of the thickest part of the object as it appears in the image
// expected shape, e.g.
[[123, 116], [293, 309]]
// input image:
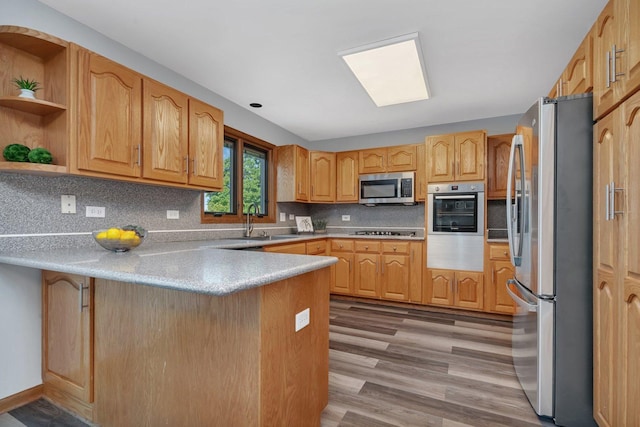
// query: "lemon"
[[128, 235], [114, 233], [101, 235]]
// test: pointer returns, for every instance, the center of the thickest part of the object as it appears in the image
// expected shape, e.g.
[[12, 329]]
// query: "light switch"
[[68, 204], [283, 216]]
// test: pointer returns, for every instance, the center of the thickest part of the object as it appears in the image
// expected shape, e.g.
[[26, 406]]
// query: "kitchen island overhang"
[[194, 349]]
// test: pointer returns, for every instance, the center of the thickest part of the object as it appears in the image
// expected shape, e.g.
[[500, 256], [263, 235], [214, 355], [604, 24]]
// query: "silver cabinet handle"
[[612, 201], [608, 69], [81, 289], [614, 54], [194, 167], [607, 209], [186, 164], [139, 155]]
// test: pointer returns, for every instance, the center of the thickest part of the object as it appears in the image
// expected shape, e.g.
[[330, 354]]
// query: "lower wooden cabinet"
[[342, 271], [455, 288], [499, 270], [299, 248], [67, 341]]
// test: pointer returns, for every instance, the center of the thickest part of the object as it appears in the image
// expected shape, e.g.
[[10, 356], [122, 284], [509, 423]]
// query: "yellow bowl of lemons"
[[120, 239]]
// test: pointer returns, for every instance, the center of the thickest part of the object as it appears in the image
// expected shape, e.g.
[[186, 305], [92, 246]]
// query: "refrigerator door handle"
[[520, 301], [512, 208]]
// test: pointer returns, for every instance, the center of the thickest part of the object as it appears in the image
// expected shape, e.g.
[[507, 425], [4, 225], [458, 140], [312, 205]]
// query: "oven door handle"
[[457, 196]]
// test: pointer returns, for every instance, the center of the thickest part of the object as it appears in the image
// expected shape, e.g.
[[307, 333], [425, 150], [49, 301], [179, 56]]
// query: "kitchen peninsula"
[[188, 333]]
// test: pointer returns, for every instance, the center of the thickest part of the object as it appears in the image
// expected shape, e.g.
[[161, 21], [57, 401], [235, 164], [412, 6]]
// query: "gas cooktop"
[[384, 233]]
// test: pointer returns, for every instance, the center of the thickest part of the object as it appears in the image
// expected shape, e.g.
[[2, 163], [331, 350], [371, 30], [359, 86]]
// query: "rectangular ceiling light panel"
[[391, 71]]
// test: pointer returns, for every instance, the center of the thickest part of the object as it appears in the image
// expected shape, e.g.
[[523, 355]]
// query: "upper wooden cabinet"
[[399, 158], [141, 130], [456, 157], [421, 173], [347, 176], [206, 139], [109, 117], [322, 176], [577, 77], [293, 173], [42, 122], [617, 55], [165, 133], [498, 150]]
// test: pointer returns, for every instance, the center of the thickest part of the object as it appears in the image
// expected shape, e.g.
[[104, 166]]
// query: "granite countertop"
[[196, 266]]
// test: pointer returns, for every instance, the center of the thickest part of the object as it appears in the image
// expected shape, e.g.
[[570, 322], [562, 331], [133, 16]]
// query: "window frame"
[[241, 139]]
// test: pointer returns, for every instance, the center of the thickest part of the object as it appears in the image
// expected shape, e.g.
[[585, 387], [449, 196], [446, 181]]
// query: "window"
[[248, 178]]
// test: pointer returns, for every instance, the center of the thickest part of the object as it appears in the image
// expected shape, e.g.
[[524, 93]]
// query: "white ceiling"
[[484, 58]]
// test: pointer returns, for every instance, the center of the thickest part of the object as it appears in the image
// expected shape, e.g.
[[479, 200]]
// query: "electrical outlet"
[[95, 211], [292, 216], [68, 204], [283, 217], [346, 217], [302, 319], [173, 214]]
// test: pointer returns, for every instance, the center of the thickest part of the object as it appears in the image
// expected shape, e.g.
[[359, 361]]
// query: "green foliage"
[[40, 155], [251, 184], [319, 224], [220, 201], [16, 153], [26, 84]]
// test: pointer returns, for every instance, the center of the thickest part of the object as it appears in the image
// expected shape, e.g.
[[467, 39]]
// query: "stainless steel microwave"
[[387, 188]]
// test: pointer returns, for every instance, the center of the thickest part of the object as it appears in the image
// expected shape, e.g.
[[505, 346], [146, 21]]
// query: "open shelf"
[[33, 106], [33, 168]]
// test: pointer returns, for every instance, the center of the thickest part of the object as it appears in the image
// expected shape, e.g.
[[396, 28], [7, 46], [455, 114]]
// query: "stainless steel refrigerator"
[[549, 222]]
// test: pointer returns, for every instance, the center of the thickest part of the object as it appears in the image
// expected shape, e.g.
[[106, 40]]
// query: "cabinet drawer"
[[289, 248], [392, 247], [341, 245], [317, 247], [368, 246], [499, 252]]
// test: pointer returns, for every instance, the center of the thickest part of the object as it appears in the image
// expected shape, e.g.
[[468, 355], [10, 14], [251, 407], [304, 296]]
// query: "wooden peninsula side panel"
[[167, 357]]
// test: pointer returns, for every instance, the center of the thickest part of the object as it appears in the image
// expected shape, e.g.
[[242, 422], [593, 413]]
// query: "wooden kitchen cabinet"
[[616, 290], [293, 173], [456, 157], [455, 288], [322, 176], [67, 341], [498, 151], [347, 176], [401, 158], [617, 55], [499, 270], [206, 140], [109, 137], [577, 77], [395, 271], [367, 268], [299, 248], [165, 133], [41, 122], [421, 173], [317, 247], [342, 271]]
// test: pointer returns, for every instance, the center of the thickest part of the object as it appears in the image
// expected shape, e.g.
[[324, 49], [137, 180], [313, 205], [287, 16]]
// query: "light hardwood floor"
[[397, 366]]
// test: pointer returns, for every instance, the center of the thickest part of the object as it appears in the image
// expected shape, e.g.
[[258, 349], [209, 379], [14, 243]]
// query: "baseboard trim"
[[19, 399]]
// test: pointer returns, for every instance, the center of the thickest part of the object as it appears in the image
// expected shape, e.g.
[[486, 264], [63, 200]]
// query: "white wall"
[[20, 329]]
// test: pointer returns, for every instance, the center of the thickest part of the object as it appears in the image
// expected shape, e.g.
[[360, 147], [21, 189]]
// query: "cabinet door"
[[441, 287], [394, 277], [109, 116], [366, 275], [499, 299], [605, 354], [67, 335], [469, 289], [627, 14], [440, 158], [373, 161], [498, 150], [578, 76], [629, 244], [416, 265], [302, 174], [322, 176], [469, 156], [342, 282], [165, 133], [347, 176], [401, 158], [421, 173], [604, 39], [206, 139]]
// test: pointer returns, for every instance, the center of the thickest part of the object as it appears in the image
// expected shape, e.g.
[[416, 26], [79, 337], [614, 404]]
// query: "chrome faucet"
[[256, 211]]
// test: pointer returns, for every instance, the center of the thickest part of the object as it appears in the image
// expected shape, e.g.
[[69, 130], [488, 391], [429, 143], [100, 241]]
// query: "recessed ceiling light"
[[255, 105], [391, 71]]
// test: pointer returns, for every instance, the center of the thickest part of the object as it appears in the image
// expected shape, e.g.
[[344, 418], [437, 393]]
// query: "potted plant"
[[319, 225], [27, 87]]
